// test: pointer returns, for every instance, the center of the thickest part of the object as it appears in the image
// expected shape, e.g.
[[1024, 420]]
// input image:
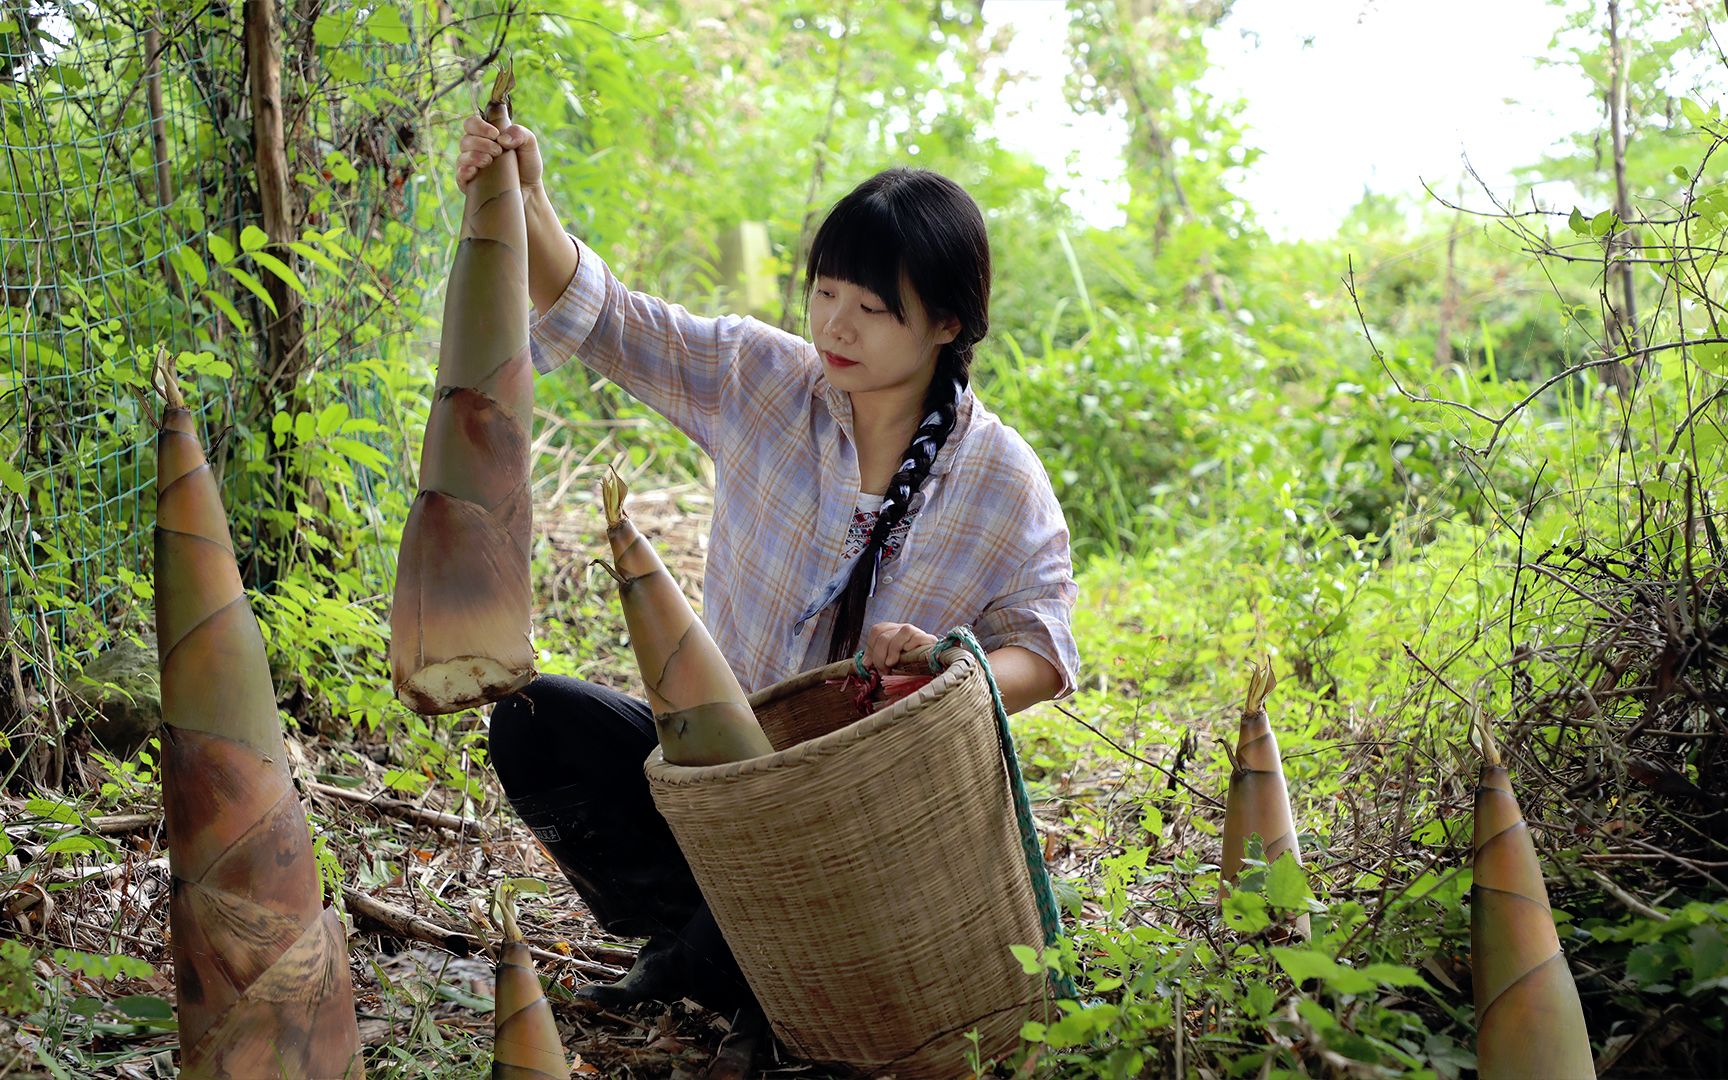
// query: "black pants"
[[569, 754]]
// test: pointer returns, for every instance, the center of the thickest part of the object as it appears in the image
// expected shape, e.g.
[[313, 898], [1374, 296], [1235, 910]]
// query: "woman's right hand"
[[482, 144]]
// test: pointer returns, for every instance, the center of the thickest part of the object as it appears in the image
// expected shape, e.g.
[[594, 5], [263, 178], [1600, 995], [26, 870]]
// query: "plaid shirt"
[[988, 545]]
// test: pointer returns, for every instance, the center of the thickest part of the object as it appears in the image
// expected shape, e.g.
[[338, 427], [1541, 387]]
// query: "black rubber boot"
[[626, 866], [694, 963], [569, 754]]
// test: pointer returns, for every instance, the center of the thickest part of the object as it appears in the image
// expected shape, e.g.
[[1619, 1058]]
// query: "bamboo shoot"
[[1258, 801], [525, 1044], [700, 711], [1529, 1021], [460, 619], [260, 966]]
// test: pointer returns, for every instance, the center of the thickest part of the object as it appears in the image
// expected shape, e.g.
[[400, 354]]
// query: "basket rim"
[[960, 665]]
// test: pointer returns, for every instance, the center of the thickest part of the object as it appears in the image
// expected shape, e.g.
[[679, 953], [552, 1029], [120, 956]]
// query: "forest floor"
[[420, 857]]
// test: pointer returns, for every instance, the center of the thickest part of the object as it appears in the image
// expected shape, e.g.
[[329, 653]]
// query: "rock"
[[122, 691]]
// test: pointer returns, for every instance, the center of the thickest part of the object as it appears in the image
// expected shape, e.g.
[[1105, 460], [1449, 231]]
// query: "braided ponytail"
[[941, 406]]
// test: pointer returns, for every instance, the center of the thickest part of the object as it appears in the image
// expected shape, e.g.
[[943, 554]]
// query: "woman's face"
[[864, 347]]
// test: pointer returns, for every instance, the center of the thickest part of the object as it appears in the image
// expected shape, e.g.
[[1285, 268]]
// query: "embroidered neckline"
[[858, 534]]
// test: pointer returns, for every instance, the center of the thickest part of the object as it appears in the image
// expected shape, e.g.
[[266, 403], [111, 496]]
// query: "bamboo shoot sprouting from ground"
[[1258, 801], [526, 1045], [1529, 1021], [459, 622], [700, 711], [260, 966]]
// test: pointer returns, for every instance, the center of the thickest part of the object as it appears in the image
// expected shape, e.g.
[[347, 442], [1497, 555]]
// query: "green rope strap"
[[1042, 892]]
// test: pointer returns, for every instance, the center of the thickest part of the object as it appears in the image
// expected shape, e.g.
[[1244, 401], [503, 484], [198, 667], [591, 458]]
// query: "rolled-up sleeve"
[[1036, 607], [672, 361]]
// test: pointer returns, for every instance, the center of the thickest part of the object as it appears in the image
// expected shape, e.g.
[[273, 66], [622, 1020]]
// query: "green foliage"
[[17, 980], [1369, 483]]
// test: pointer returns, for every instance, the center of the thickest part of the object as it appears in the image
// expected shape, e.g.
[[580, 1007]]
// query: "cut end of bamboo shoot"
[[466, 682], [459, 620]]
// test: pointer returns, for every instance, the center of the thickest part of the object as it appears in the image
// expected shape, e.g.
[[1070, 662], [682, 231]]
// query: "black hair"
[[917, 226]]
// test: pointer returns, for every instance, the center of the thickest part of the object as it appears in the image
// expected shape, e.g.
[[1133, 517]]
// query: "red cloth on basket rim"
[[880, 691]]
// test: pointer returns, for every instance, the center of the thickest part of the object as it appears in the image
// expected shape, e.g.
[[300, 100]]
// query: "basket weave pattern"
[[869, 877]]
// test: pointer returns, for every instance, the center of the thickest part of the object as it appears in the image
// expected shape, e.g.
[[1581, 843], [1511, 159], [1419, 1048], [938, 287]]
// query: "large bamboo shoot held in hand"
[[1258, 801], [260, 966], [525, 1044], [459, 634], [1529, 1022], [700, 711]]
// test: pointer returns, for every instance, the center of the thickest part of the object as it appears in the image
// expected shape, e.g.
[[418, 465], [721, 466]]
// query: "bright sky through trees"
[[1340, 96]]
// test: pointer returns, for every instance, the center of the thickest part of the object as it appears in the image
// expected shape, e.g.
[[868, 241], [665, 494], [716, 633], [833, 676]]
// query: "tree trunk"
[[1622, 329], [285, 337]]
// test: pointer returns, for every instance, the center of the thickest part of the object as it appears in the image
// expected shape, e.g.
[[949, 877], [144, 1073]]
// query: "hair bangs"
[[860, 243]]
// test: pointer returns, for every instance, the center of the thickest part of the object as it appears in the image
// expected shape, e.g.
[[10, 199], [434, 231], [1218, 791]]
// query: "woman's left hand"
[[887, 642]]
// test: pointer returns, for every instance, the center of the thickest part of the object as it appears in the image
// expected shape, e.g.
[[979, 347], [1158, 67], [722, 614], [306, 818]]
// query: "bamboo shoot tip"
[[503, 83], [613, 491], [1485, 744], [165, 380]]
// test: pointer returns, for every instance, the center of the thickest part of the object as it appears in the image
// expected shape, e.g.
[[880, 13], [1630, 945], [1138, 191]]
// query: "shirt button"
[[887, 579]]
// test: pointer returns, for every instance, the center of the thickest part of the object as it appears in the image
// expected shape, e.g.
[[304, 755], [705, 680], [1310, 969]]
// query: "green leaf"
[[1287, 884], [1579, 225], [332, 417], [18, 995], [1393, 975], [227, 308], [1709, 953], [79, 844], [1304, 964], [220, 248], [361, 454], [330, 30], [1604, 223], [385, 24], [252, 238], [312, 254], [1245, 912], [304, 427], [204, 363], [280, 269], [13, 479], [1683, 173], [54, 810], [254, 287], [1028, 957], [1711, 357], [186, 258]]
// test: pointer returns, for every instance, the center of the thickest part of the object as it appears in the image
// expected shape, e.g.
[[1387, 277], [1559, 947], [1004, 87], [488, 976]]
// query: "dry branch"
[[399, 809], [407, 926]]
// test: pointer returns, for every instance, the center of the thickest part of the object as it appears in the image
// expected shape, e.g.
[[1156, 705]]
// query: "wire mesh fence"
[[135, 219]]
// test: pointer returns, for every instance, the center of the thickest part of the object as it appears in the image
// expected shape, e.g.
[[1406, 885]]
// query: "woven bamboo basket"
[[868, 874]]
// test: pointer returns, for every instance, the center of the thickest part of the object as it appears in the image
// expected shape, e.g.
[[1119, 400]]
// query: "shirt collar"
[[840, 408]]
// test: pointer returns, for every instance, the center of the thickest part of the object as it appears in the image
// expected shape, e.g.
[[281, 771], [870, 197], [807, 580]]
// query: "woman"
[[864, 500]]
